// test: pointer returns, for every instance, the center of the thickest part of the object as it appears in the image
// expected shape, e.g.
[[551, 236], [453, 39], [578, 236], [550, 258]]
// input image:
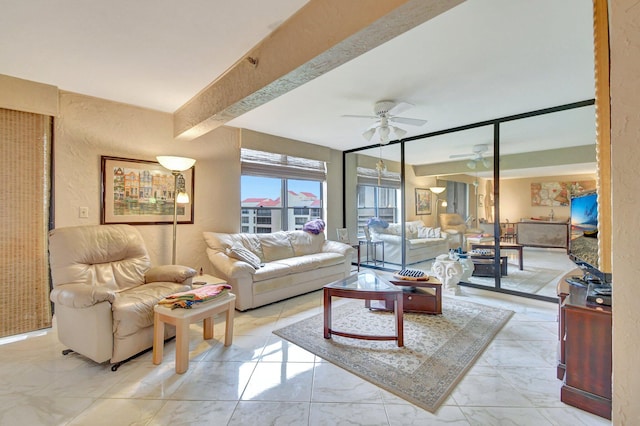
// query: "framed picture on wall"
[[423, 201], [140, 192]]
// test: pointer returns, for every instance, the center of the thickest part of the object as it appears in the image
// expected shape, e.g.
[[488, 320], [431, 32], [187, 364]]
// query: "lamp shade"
[[437, 189], [369, 133], [182, 198], [399, 132], [176, 164]]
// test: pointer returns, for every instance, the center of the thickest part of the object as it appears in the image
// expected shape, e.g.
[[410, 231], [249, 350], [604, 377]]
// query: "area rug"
[[529, 280], [438, 351]]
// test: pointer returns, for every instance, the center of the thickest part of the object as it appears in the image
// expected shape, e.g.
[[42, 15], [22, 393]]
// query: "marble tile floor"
[[264, 380]]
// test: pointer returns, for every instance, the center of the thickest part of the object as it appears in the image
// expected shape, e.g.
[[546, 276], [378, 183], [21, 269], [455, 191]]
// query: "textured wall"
[[88, 128], [625, 157]]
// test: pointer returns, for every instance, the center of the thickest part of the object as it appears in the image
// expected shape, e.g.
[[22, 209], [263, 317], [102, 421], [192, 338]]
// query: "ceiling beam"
[[321, 36]]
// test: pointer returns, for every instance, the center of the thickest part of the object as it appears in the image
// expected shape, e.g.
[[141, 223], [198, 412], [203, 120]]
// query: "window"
[[458, 198], [379, 202], [378, 196], [279, 192]]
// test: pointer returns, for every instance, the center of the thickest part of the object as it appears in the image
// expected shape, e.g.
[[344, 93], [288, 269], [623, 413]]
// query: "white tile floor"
[[263, 380]]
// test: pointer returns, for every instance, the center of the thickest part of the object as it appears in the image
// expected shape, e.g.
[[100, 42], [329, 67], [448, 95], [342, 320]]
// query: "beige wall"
[[87, 128], [625, 158], [515, 198]]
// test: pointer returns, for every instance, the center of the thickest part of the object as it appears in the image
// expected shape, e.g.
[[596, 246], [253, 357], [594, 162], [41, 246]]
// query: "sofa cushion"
[[306, 243], [240, 252], [271, 270], [221, 242], [275, 246], [311, 261], [424, 242], [428, 232]]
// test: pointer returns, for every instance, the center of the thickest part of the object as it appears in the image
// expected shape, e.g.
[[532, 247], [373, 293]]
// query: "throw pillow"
[[375, 222], [424, 232], [238, 251], [315, 226]]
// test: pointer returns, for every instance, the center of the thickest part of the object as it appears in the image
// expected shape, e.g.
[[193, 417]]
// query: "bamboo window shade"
[[25, 157]]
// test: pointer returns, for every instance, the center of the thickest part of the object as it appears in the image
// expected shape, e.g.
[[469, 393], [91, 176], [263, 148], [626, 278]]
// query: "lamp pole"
[[175, 174], [176, 165]]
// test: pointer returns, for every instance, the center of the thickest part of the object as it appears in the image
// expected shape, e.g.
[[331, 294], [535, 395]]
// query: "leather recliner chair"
[[454, 225], [104, 290]]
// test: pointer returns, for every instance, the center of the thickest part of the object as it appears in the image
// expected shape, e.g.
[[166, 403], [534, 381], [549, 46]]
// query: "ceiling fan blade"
[[400, 107], [370, 117], [410, 121], [461, 155]]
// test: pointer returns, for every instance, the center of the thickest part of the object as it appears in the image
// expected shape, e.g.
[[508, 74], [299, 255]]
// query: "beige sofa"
[[290, 263], [421, 242], [104, 290]]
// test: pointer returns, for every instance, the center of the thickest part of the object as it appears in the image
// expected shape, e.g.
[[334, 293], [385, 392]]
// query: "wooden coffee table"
[[484, 266], [367, 286], [503, 246], [423, 297]]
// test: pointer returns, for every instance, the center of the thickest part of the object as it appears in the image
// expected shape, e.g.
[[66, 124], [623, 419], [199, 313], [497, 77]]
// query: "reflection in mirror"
[[520, 220], [461, 163], [373, 200], [544, 160]]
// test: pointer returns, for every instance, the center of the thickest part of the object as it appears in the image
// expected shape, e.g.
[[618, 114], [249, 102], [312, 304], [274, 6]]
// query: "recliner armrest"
[[81, 295], [169, 273]]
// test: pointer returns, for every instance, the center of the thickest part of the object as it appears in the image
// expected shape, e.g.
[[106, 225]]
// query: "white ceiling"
[[482, 60]]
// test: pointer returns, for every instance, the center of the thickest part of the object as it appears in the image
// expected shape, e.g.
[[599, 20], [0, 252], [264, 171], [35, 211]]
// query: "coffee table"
[[423, 297], [366, 286], [484, 266], [503, 246]]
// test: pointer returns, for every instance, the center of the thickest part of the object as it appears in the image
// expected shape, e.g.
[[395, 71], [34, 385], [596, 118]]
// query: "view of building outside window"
[[376, 201], [265, 208]]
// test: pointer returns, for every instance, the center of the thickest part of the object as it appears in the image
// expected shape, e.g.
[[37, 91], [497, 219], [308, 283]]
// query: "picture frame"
[[423, 201], [140, 192]]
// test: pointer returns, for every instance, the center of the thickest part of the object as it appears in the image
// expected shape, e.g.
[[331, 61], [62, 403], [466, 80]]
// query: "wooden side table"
[[181, 318]]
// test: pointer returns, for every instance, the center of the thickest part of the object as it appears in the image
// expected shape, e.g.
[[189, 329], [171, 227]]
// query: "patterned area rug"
[[439, 349]]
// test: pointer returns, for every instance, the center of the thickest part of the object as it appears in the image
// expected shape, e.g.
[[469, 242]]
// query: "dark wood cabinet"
[[584, 362]]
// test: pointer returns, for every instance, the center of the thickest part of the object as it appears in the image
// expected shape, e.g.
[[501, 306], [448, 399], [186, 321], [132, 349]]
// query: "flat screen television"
[[583, 242]]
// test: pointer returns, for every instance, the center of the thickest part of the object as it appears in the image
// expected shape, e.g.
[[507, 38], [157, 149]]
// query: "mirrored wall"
[[498, 192]]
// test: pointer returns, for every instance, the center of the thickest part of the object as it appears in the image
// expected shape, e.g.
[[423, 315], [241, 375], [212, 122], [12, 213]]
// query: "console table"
[[584, 361], [538, 233]]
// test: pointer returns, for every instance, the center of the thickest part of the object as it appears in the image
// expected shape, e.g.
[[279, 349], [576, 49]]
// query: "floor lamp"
[[176, 165]]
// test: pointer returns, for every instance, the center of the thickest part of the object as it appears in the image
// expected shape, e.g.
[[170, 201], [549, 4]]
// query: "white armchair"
[[454, 225], [105, 290]]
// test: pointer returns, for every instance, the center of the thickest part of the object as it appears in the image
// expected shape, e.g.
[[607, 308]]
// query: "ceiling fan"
[[476, 156], [386, 120]]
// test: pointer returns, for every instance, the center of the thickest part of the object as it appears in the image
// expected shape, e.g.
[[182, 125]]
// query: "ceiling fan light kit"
[[387, 121], [477, 156]]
